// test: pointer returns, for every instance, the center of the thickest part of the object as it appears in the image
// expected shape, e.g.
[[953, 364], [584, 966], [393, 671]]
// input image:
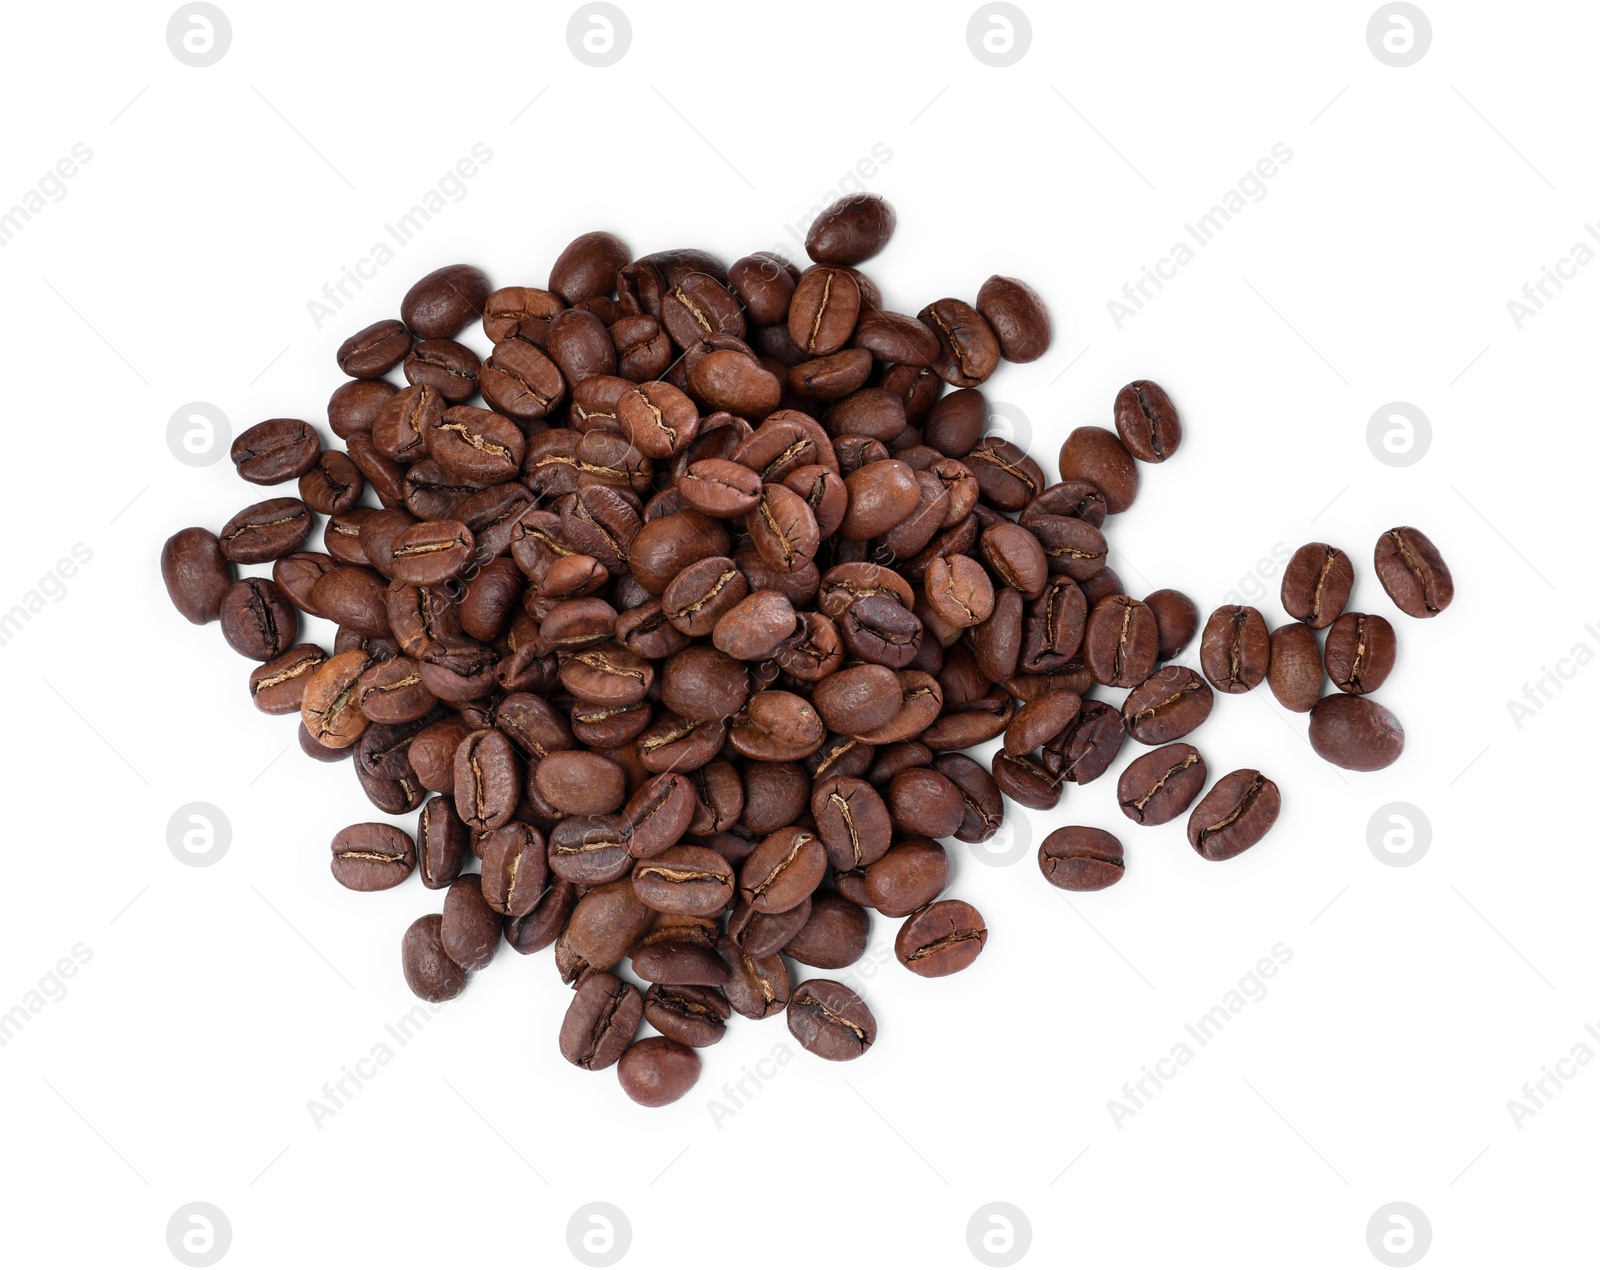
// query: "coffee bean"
[[449, 368], [432, 552], [440, 304], [442, 843], [1413, 572], [1099, 457], [514, 869], [372, 857], [1177, 620], [1147, 421], [684, 880], [1235, 650], [1087, 747], [691, 1014], [601, 1022], [1121, 642], [1356, 733], [1360, 653], [279, 686], [910, 875], [257, 619], [850, 230], [374, 351], [471, 930], [1078, 858], [487, 780], [1316, 584], [784, 870], [587, 266], [1159, 786], [1295, 672], [1234, 816], [941, 939], [1018, 317], [968, 349], [831, 1021], [823, 311], [657, 1071], [428, 970], [265, 531], [275, 451], [197, 574], [1171, 703]]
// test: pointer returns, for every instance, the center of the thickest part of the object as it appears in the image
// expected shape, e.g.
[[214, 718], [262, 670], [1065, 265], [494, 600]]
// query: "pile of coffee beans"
[[677, 611]]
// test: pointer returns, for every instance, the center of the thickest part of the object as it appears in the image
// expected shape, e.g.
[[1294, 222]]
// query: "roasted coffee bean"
[[923, 803], [1360, 653], [540, 928], [852, 821], [444, 365], [1017, 316], [910, 875], [850, 230], [1295, 672], [1171, 703], [834, 936], [520, 381], [685, 880], [196, 573], [432, 552], [1046, 716], [587, 266], [279, 686], [1008, 478], [1234, 816], [941, 939], [959, 590], [681, 955], [831, 1021], [471, 931], [257, 619], [440, 304], [601, 1022], [332, 483], [1078, 858], [1316, 584], [1177, 620], [1413, 572], [720, 487], [877, 629], [580, 783], [758, 985], [357, 599], [1356, 733], [968, 349], [1160, 785], [374, 351], [823, 311], [442, 843], [372, 857], [657, 1071], [514, 868], [589, 850], [265, 531], [1099, 457], [691, 1014], [428, 970], [607, 921], [1076, 499], [1121, 642], [1147, 421], [477, 445], [1235, 649], [659, 813], [782, 871], [275, 451], [487, 780], [1088, 746], [983, 811], [355, 404]]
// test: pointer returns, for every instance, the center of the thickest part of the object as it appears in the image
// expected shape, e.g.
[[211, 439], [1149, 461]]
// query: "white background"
[[217, 1001]]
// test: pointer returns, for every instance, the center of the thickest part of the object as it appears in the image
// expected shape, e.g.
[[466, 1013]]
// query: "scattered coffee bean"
[[1078, 858], [1234, 816], [1356, 733], [1413, 572]]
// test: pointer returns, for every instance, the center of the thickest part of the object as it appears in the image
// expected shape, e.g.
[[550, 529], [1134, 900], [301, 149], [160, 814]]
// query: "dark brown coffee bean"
[[1121, 642], [432, 552], [823, 311], [279, 686], [601, 1022], [959, 590], [1356, 733], [941, 939], [332, 484], [1171, 703], [275, 451], [684, 880], [355, 405], [1177, 620], [471, 931], [1088, 746], [445, 366], [697, 599], [1147, 421], [372, 857], [657, 1071], [520, 381], [1017, 316], [758, 986], [720, 487], [968, 349], [1234, 816], [587, 266], [1159, 786], [1316, 584], [1295, 673], [681, 954], [1099, 457], [923, 803], [783, 529], [442, 303], [1413, 572], [442, 843], [196, 573], [427, 967], [1360, 653], [265, 531], [690, 1014], [1078, 858], [764, 283], [1046, 716], [852, 821], [257, 619], [850, 230], [831, 1021], [487, 780], [374, 351], [1235, 649], [782, 871], [910, 875]]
